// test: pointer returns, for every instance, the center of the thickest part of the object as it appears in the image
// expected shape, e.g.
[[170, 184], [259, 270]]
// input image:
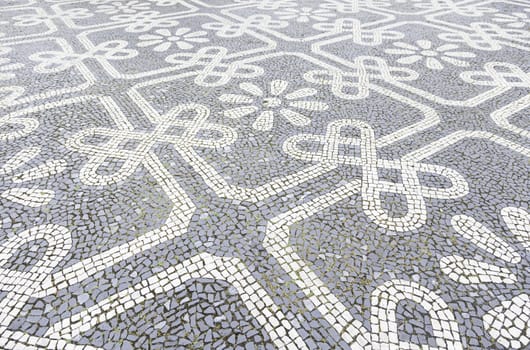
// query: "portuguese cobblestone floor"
[[260, 174]]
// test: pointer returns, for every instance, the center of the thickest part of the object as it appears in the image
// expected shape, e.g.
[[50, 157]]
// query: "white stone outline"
[[279, 328], [203, 265], [30, 123], [71, 24], [423, 12], [432, 17], [52, 28], [276, 241], [283, 183], [97, 154], [79, 66], [470, 102], [502, 115], [113, 72], [284, 37], [28, 2], [384, 301]]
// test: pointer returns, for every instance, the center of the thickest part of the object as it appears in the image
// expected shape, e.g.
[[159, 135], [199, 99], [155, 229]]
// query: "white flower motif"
[[508, 323], [30, 196], [163, 39], [305, 14], [272, 103], [116, 7], [515, 20], [424, 51]]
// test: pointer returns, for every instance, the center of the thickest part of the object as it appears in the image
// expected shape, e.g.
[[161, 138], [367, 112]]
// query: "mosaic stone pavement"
[[261, 174]]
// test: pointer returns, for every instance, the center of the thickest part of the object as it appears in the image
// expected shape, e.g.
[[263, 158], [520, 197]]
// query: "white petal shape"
[[149, 43], [301, 93], [302, 19], [20, 159], [460, 54], [235, 98], [409, 59], [50, 168], [483, 238], [197, 40], [447, 47], [196, 34], [149, 37], [278, 87], [470, 271], [400, 52], [162, 47], [406, 46], [509, 323], [240, 112], [516, 25], [518, 221], [182, 31], [183, 45], [252, 89], [455, 62], [424, 44], [433, 63], [264, 121], [163, 32], [295, 118], [31, 197], [310, 105]]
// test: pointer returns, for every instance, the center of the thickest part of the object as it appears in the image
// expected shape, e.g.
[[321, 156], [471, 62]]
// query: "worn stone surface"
[[260, 174]]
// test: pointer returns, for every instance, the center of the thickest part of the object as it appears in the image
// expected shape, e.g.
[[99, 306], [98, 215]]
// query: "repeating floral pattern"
[[276, 101], [433, 58], [264, 174], [163, 39]]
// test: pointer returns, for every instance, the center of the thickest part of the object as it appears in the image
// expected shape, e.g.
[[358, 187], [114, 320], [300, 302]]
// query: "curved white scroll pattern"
[[498, 322], [385, 299], [204, 265], [365, 70], [467, 270], [110, 149], [371, 186], [502, 116], [21, 285]]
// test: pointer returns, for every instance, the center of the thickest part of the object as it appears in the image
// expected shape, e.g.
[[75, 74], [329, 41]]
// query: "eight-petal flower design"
[[266, 105], [517, 20], [163, 39], [305, 14], [424, 51], [129, 7]]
